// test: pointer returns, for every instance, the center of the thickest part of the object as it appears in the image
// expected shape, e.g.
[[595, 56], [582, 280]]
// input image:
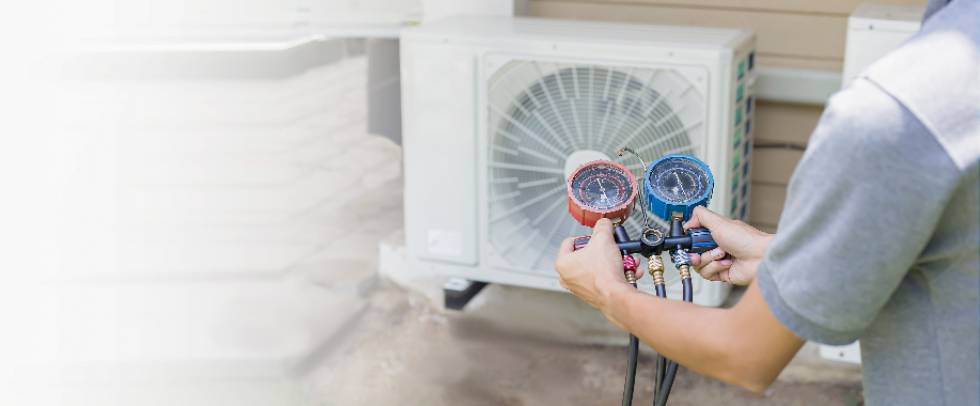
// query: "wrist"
[[614, 298], [766, 239]]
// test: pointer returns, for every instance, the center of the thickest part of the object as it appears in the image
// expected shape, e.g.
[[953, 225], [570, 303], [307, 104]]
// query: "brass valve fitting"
[[685, 271], [656, 268]]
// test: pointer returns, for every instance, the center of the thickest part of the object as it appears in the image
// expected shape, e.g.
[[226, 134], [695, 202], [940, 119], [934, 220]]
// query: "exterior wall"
[[790, 33]]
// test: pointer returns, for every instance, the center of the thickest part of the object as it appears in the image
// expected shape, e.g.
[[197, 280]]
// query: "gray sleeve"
[[860, 208]]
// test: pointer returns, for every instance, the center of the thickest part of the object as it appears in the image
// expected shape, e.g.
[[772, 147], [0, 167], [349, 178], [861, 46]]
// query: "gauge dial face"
[[679, 181], [602, 187]]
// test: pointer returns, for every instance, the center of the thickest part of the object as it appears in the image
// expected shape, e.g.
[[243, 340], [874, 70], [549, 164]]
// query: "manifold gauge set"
[[672, 187]]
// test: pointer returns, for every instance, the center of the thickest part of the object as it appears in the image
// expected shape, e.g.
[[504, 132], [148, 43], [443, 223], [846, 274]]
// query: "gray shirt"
[[879, 238]]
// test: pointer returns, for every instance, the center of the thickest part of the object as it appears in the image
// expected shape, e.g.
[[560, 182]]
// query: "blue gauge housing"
[[677, 183]]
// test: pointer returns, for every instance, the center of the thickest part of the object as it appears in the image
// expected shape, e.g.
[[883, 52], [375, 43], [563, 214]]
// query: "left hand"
[[593, 273], [741, 248]]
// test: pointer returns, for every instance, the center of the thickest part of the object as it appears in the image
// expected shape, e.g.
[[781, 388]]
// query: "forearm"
[[727, 344], [684, 332]]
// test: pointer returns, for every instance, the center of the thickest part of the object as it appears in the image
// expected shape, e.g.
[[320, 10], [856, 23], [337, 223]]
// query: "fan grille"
[[541, 113]]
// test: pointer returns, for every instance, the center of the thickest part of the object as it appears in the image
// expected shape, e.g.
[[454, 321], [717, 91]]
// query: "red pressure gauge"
[[600, 189]]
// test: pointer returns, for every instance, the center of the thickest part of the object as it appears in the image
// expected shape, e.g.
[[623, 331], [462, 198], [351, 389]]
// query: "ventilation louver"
[[545, 119]]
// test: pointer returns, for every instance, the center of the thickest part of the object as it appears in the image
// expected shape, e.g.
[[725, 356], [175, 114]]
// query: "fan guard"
[[545, 118]]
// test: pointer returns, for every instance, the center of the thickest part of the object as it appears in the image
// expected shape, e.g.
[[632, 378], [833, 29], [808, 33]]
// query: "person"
[[878, 240]]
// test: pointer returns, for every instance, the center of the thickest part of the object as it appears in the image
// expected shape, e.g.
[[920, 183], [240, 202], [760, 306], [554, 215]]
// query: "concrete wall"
[[199, 225]]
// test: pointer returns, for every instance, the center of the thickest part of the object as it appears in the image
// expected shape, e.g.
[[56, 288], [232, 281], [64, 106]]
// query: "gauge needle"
[[602, 189], [680, 184]]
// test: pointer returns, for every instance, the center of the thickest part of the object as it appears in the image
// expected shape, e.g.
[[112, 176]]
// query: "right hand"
[[594, 273], [740, 248]]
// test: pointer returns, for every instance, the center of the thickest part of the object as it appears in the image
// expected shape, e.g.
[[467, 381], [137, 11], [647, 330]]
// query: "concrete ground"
[[516, 346], [403, 349]]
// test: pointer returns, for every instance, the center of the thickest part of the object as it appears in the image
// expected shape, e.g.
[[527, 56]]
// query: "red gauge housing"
[[601, 189]]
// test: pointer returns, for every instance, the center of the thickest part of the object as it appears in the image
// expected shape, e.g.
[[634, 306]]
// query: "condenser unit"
[[497, 111]]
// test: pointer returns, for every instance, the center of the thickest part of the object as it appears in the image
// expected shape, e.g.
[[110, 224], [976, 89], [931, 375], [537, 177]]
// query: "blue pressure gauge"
[[675, 184]]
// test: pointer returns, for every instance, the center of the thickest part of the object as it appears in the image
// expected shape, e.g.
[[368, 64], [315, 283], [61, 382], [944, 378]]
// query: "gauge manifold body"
[[676, 184], [601, 189]]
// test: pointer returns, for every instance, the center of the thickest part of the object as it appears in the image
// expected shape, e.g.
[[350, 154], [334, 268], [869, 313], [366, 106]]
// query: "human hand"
[[593, 273], [740, 248]]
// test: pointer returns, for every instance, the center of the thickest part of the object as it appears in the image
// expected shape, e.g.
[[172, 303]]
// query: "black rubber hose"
[[688, 295], [688, 290], [668, 384], [661, 364], [631, 371], [619, 232], [661, 361]]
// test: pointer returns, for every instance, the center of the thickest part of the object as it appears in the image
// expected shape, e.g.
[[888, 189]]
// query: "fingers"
[[714, 255], [695, 259], [639, 269], [713, 270], [732, 276], [705, 258], [728, 276]]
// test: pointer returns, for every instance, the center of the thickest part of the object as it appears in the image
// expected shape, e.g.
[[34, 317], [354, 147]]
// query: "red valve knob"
[[629, 263]]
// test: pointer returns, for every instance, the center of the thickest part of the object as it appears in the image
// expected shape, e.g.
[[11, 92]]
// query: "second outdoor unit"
[[497, 112]]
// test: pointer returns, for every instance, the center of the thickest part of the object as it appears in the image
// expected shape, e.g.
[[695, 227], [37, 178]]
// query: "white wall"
[[226, 20]]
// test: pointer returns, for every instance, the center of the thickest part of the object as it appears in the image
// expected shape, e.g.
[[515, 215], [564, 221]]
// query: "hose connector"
[[685, 271], [631, 277], [682, 260], [629, 268], [629, 263], [680, 257], [656, 268]]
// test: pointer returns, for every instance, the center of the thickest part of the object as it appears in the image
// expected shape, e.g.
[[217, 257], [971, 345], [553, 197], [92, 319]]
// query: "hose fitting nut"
[[629, 269], [685, 271], [656, 268], [680, 257], [658, 278], [629, 263], [631, 277], [655, 264]]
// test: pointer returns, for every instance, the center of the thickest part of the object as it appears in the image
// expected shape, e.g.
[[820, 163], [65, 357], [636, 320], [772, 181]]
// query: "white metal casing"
[[445, 68], [874, 30]]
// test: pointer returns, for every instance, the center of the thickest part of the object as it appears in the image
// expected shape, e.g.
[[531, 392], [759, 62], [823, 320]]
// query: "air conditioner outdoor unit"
[[497, 111]]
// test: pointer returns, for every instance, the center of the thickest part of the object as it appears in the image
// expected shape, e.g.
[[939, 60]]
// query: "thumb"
[[702, 217], [602, 231], [723, 230]]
